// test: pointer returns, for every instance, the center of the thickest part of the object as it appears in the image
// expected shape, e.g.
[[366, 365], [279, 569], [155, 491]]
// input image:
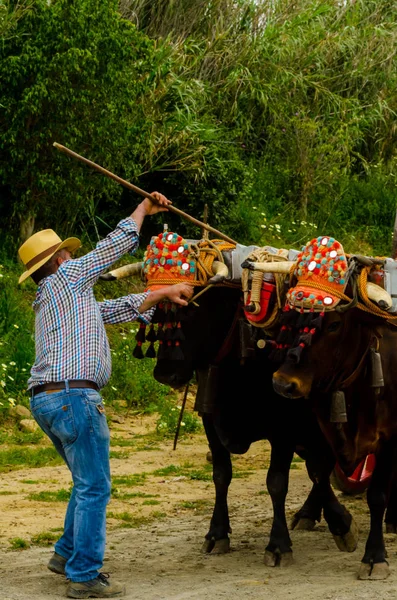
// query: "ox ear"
[[132, 270], [220, 272], [379, 296]]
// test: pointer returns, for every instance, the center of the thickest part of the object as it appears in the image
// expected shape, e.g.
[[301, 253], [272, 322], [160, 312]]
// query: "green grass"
[[46, 538], [18, 458], [129, 520], [204, 474], [30, 481], [119, 455], [198, 506], [45, 496], [130, 480], [19, 544]]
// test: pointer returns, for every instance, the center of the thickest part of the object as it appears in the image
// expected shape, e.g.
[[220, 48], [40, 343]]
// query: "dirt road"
[[158, 521]]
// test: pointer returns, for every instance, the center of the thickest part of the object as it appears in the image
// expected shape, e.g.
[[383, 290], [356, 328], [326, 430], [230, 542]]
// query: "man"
[[72, 364]]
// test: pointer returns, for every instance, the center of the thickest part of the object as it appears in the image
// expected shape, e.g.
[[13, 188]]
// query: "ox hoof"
[[391, 528], [348, 542], [374, 572], [216, 546], [303, 524], [275, 559]]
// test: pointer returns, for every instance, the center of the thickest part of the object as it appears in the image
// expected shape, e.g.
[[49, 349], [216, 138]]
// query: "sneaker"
[[99, 587], [57, 564]]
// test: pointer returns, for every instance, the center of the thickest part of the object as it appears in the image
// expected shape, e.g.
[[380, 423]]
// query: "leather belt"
[[61, 385]]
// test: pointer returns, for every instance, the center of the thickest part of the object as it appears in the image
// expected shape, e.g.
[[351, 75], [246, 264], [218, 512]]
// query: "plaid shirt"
[[71, 341]]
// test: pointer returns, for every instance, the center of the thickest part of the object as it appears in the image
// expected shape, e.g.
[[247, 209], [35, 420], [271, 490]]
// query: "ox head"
[[322, 337], [183, 338]]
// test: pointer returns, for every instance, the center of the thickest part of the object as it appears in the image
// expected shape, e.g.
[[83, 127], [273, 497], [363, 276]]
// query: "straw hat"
[[39, 248]]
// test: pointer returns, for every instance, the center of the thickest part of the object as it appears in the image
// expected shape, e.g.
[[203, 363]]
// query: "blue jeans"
[[75, 421]]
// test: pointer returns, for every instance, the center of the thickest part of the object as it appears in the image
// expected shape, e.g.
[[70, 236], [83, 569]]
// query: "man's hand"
[[152, 208], [179, 293], [147, 207]]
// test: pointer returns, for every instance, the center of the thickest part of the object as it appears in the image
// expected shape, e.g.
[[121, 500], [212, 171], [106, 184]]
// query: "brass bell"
[[377, 380], [338, 408]]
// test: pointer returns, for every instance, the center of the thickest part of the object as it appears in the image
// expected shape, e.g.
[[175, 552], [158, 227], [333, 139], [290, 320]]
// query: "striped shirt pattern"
[[71, 341]]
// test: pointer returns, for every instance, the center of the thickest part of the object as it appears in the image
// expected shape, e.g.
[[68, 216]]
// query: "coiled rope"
[[263, 255]]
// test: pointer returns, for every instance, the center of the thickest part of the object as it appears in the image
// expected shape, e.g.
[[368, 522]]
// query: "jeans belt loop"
[[67, 386]]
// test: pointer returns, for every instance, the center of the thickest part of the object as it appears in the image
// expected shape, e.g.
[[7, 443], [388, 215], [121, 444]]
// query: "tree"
[[76, 73]]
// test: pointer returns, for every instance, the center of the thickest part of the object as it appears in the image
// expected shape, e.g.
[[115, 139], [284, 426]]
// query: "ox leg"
[[374, 564], [279, 549], [391, 512], [320, 462], [217, 539], [310, 513]]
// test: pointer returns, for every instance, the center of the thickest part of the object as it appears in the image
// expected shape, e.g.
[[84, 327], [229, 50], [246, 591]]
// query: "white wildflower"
[[12, 363], [9, 377], [2, 383], [114, 388], [16, 326], [12, 401]]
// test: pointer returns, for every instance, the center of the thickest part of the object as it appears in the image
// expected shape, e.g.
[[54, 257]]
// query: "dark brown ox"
[[239, 407], [342, 357]]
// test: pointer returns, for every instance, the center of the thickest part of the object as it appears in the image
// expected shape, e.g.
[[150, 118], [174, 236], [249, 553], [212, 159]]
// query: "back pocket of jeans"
[[60, 421]]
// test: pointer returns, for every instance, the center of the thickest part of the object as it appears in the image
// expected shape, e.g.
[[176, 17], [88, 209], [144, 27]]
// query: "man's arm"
[[84, 272], [142, 306], [125, 309]]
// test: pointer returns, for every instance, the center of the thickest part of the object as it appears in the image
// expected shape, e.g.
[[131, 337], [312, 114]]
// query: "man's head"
[[44, 252], [51, 266]]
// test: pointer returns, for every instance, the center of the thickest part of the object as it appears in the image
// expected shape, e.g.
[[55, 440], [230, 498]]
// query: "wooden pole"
[[394, 242], [138, 190], [205, 220]]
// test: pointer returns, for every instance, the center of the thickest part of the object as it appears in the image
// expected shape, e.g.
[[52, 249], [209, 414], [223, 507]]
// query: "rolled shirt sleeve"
[[125, 309]]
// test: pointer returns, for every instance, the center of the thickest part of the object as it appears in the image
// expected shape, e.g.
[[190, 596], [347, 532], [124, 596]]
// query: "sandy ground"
[[161, 558]]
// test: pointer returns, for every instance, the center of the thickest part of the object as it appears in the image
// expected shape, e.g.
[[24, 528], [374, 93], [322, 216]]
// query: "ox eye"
[[333, 326]]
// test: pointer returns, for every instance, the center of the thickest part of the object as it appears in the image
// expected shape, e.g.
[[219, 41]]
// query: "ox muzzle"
[[290, 386]]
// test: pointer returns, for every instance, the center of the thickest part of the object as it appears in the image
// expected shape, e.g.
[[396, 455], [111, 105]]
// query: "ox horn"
[[131, 270], [220, 272], [379, 296], [283, 266]]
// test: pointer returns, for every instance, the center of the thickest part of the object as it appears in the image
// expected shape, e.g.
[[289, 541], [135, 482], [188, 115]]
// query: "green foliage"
[[64, 77], [168, 419]]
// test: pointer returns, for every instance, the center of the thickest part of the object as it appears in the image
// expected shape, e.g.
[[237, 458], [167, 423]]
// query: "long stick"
[[180, 416], [138, 190]]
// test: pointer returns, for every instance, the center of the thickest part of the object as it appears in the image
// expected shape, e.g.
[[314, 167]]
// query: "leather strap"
[[61, 385]]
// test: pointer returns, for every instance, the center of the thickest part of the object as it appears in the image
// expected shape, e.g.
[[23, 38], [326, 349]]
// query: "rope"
[[262, 255]]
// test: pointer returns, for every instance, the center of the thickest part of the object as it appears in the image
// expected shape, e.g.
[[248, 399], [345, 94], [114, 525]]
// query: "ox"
[[343, 361], [238, 407]]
